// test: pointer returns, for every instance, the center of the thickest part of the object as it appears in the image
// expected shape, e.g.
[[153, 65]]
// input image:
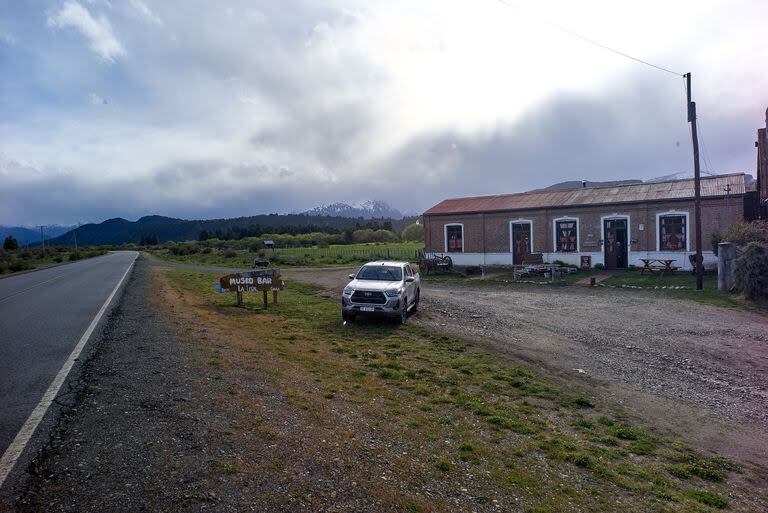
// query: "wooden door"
[[521, 243], [615, 243]]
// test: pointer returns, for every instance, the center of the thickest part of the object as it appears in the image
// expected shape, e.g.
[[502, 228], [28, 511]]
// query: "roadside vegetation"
[[241, 254], [15, 259], [454, 426]]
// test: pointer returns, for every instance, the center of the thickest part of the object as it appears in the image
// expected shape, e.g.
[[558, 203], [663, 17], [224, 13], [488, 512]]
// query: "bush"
[[599, 267], [750, 273], [230, 253], [18, 265], [743, 233], [414, 232], [58, 259], [74, 256]]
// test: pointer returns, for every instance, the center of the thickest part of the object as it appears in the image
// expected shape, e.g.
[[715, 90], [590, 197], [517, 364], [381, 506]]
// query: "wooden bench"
[[657, 264]]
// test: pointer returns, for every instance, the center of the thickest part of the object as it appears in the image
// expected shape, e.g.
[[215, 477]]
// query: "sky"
[[125, 108]]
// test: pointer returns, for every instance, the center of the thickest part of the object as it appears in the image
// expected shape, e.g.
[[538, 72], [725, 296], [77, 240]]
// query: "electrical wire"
[[588, 40]]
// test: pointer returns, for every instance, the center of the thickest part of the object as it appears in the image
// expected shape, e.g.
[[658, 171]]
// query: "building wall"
[[487, 236]]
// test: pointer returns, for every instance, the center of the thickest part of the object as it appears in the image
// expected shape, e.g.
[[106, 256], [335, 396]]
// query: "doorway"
[[521, 243], [615, 243]]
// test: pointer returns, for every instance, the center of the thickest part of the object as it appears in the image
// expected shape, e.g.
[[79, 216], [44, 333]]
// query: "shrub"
[[18, 265], [58, 259], [743, 233], [599, 267], [230, 253], [750, 273], [414, 232], [74, 256]]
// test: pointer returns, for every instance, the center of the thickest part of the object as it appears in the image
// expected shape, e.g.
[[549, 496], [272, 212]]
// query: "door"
[[615, 243], [521, 243]]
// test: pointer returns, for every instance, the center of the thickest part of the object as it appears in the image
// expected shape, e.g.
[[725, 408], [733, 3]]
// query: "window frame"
[[445, 236], [554, 233], [674, 213]]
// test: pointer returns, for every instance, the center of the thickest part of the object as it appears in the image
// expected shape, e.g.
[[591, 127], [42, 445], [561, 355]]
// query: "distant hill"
[[32, 235], [575, 184], [122, 231], [368, 209]]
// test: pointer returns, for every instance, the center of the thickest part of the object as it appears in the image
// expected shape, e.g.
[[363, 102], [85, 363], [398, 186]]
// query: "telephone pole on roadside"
[[696, 183], [42, 238]]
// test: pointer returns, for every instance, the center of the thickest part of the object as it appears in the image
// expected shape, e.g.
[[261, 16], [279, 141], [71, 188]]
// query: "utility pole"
[[75, 234], [42, 238], [696, 183]]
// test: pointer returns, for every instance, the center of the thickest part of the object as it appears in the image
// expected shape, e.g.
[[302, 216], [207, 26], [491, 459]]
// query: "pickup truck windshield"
[[380, 273]]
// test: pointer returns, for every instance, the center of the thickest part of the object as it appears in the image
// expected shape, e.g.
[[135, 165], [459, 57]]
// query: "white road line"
[[12, 453]]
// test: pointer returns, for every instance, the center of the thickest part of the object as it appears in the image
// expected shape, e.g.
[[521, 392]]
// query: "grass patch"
[[425, 392]]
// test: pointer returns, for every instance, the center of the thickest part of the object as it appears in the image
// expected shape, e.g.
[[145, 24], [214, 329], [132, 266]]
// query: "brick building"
[[762, 168], [614, 226]]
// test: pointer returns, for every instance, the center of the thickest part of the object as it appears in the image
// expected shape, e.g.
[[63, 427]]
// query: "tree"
[[204, 235], [10, 243], [414, 232]]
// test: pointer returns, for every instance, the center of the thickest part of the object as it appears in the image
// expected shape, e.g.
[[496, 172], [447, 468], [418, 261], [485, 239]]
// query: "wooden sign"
[[262, 280]]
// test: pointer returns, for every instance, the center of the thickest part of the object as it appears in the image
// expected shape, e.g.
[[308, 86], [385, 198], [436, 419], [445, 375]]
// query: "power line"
[[590, 41]]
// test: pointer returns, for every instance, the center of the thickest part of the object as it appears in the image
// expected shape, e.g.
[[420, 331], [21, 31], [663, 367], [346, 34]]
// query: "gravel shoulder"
[[692, 370]]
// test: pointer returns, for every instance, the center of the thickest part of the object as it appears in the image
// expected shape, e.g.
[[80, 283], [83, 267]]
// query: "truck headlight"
[[348, 291], [393, 292]]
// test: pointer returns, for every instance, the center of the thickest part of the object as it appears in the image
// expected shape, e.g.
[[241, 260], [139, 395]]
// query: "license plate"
[[367, 309]]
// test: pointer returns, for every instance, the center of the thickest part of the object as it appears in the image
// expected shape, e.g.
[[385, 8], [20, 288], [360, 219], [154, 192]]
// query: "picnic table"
[[657, 264]]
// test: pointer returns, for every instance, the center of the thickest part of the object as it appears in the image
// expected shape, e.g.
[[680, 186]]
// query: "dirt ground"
[[691, 370]]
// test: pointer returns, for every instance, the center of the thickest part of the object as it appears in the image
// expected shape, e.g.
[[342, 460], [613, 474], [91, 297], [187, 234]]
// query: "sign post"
[[262, 280]]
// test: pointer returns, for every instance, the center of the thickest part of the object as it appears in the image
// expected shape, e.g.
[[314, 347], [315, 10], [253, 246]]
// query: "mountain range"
[[121, 231], [367, 209], [32, 235]]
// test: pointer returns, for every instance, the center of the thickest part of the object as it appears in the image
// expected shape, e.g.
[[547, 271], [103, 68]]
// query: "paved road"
[[43, 315]]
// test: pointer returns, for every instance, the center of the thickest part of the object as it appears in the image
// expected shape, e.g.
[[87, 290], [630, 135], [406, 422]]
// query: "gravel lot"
[[690, 369]]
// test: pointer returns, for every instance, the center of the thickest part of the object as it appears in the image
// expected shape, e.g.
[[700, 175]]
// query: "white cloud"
[[98, 31], [95, 99], [146, 12]]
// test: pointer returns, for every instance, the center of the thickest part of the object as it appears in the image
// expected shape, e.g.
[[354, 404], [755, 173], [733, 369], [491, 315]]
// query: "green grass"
[[457, 400], [27, 259], [335, 255]]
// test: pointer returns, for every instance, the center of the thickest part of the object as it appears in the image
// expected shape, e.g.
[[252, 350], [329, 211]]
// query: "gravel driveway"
[[690, 368]]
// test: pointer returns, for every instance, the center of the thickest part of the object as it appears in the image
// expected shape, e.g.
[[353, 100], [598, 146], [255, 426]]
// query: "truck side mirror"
[[351, 276], [409, 279]]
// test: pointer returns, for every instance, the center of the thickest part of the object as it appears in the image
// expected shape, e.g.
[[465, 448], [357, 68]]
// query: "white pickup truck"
[[388, 289]]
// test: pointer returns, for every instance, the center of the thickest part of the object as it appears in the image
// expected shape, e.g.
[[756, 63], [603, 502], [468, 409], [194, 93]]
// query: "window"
[[672, 233], [566, 238], [454, 237], [380, 273]]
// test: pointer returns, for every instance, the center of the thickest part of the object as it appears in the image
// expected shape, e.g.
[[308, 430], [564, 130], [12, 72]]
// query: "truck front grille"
[[369, 297]]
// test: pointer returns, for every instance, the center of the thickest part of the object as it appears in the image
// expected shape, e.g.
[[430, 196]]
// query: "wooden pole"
[[265, 299], [239, 298], [274, 297], [696, 183]]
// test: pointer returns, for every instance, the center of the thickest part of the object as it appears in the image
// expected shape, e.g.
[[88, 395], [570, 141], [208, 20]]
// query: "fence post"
[[726, 256]]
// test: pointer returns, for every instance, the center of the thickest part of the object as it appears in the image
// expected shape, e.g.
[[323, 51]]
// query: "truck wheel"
[[403, 312], [347, 317], [415, 306]]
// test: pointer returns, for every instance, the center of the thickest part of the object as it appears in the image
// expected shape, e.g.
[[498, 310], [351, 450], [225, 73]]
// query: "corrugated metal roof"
[[649, 191]]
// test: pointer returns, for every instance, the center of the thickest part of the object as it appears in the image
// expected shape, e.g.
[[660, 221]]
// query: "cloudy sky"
[[213, 109]]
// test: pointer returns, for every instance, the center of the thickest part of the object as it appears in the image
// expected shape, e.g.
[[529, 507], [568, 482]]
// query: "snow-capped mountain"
[[367, 209]]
